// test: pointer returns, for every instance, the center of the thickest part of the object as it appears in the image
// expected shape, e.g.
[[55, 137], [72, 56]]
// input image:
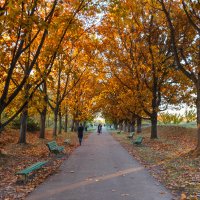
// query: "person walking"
[[99, 130], [80, 133]]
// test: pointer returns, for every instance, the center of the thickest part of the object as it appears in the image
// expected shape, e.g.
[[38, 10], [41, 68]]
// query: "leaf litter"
[[15, 157], [169, 159]]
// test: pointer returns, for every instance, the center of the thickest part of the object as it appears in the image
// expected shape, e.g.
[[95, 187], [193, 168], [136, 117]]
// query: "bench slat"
[[53, 147], [31, 168], [131, 135], [138, 140]]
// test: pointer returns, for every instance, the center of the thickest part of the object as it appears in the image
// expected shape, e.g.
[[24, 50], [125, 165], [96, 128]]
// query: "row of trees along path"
[[70, 59]]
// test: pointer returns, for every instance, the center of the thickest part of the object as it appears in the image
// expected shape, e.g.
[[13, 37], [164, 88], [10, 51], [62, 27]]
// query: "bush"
[[190, 115], [31, 124], [165, 118], [177, 118], [168, 118]]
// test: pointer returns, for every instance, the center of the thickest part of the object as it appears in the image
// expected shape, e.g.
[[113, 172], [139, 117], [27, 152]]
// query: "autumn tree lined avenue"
[[128, 59]]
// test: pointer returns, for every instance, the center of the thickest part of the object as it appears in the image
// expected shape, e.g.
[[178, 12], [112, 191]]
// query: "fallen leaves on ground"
[[15, 157], [169, 158]]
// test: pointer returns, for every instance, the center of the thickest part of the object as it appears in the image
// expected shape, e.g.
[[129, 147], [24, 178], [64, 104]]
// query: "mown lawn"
[[169, 158]]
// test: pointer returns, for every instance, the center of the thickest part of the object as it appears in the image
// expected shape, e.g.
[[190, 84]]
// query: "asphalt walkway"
[[101, 169]]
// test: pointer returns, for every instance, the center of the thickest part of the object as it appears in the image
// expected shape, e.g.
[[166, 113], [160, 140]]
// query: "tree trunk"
[[115, 126], [43, 113], [72, 125], [139, 124], [198, 115], [48, 120], [133, 126], [42, 123], [55, 122], [66, 122], [125, 126], [23, 125], [121, 126], [84, 124], [154, 125], [129, 127], [24, 117], [154, 115], [60, 123], [1, 128], [76, 126]]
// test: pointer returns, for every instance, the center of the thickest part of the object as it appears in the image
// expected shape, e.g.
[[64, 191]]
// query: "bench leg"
[[25, 178], [22, 179]]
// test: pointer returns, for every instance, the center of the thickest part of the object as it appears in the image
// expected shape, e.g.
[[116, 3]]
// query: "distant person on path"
[[80, 133], [99, 130]]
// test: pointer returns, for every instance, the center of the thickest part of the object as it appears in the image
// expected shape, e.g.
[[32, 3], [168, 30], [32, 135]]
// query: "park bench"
[[130, 136], [119, 132], [54, 148], [25, 172], [138, 140]]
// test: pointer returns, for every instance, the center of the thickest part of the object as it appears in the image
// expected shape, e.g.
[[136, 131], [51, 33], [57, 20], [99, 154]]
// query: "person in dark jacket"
[[80, 133], [99, 129]]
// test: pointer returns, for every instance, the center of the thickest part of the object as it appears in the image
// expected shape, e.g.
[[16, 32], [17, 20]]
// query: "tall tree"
[[182, 18], [21, 21]]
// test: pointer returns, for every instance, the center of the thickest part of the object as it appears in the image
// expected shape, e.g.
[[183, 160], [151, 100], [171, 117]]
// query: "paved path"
[[100, 170]]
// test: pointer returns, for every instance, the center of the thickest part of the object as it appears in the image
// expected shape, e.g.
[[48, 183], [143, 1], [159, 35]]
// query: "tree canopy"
[[127, 59]]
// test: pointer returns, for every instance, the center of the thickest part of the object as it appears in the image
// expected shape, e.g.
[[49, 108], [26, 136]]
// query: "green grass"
[[182, 124]]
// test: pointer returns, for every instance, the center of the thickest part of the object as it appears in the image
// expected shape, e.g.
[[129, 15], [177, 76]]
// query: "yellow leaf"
[[183, 196]]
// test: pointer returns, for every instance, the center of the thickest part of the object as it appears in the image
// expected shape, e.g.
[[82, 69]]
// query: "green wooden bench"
[[25, 172], [130, 136], [138, 140], [54, 148]]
